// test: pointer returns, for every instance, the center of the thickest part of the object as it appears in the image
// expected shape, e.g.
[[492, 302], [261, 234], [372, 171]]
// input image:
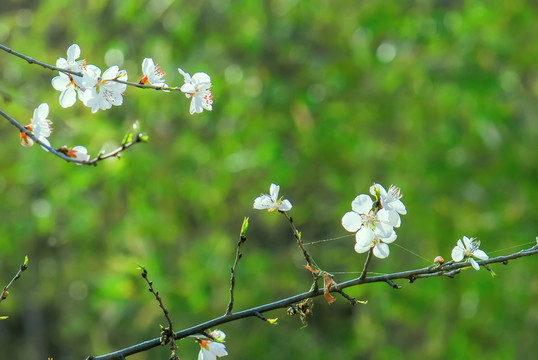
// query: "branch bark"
[[411, 275]]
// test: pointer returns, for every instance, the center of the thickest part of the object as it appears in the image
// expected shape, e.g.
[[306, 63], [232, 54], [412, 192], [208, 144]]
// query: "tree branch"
[[4, 294], [411, 275], [115, 153], [238, 255], [31, 60]]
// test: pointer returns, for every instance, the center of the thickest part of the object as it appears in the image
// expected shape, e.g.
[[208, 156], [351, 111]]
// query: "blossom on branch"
[[78, 152], [40, 126], [66, 83], [211, 349], [71, 63], [373, 222], [197, 88], [466, 250], [271, 202], [103, 92], [390, 200], [153, 75]]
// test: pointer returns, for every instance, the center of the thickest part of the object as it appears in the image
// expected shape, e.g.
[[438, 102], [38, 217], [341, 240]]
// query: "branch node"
[[394, 285]]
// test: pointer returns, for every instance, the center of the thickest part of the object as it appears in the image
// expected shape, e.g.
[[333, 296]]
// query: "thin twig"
[[284, 303], [115, 153], [310, 262], [167, 334], [22, 268], [238, 255], [366, 263]]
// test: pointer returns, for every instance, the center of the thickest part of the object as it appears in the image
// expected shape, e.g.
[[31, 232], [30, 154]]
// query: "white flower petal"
[[383, 230], [147, 66], [480, 254], [274, 189], [73, 52], [60, 82], [467, 243], [389, 239], [399, 207], [201, 78], [364, 236], [285, 206], [68, 97], [381, 250], [111, 72], [217, 348], [458, 253], [474, 264], [351, 221], [42, 111], [362, 204], [263, 202], [45, 141], [360, 248]]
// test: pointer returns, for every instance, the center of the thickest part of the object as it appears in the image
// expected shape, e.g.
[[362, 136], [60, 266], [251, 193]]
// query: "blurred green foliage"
[[321, 97]]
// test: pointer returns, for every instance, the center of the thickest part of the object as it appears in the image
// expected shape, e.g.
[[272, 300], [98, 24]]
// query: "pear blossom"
[[103, 92], [153, 75], [78, 152], [271, 202], [372, 227], [40, 126], [71, 63], [197, 88], [390, 200], [67, 83], [209, 349], [466, 250]]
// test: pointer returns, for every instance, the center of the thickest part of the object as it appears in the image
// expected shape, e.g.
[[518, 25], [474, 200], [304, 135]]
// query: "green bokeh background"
[[321, 97]]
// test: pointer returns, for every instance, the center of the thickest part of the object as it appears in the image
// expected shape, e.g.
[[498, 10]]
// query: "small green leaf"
[[244, 227], [25, 261], [3, 317], [127, 138]]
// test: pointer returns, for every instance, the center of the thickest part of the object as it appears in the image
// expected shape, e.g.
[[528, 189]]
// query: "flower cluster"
[[95, 91], [41, 128], [467, 250], [373, 221], [101, 92], [211, 349], [271, 202]]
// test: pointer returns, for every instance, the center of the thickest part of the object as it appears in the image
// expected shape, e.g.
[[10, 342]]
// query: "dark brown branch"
[[410, 274], [115, 153], [238, 255]]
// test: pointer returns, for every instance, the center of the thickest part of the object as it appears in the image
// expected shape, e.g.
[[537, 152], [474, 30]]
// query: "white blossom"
[[271, 202], [466, 250], [390, 201], [197, 88], [371, 228], [104, 92], [210, 350], [40, 126], [68, 84], [153, 75]]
